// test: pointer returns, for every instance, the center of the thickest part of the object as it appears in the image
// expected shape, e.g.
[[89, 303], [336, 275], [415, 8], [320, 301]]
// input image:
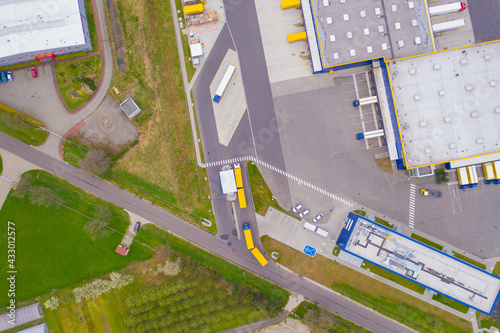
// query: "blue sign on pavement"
[[310, 251]]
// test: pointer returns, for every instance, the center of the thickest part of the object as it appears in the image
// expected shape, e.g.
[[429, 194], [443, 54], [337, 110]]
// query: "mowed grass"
[[393, 277], [263, 197], [427, 242], [78, 79], [469, 260], [92, 28], [52, 248], [451, 303], [496, 270], [162, 166], [387, 300], [21, 127]]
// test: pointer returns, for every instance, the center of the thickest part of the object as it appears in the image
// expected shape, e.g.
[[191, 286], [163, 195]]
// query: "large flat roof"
[[351, 31], [34, 26], [448, 104], [422, 264]]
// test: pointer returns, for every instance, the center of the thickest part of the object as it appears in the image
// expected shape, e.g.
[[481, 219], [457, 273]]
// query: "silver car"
[[317, 217], [304, 213], [297, 208]]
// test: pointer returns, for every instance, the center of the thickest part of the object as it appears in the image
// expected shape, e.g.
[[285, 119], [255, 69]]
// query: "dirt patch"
[[108, 128], [117, 35], [384, 163], [286, 326]]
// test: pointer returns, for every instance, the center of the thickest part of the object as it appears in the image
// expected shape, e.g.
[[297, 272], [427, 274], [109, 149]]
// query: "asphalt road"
[[109, 192]]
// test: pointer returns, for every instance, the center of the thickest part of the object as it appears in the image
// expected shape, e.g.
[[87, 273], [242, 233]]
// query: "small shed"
[[130, 108], [227, 181], [120, 249]]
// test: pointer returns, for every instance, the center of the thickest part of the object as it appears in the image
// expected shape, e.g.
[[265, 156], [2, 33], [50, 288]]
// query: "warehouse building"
[[34, 30]]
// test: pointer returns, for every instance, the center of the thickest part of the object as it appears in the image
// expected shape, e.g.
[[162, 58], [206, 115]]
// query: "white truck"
[[365, 101], [447, 9]]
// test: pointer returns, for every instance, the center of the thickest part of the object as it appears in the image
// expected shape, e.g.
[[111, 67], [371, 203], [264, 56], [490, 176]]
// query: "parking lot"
[[453, 38], [284, 60], [318, 124]]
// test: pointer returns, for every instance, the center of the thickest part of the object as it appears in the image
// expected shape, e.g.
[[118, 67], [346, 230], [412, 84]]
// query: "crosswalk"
[[281, 172], [411, 214]]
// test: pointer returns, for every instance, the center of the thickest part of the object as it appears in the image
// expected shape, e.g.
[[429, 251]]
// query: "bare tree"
[[96, 161], [38, 195], [169, 268], [97, 229]]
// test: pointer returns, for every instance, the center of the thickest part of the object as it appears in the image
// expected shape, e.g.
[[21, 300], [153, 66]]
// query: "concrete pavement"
[[109, 192]]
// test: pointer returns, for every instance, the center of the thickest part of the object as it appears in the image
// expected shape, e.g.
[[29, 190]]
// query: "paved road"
[[337, 304]]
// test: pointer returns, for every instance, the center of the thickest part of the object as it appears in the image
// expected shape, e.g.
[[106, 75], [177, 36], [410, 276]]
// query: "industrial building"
[[420, 263], [34, 30]]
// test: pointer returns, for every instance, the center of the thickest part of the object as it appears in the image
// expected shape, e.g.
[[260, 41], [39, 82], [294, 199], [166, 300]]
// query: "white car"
[[297, 208], [317, 218], [304, 213]]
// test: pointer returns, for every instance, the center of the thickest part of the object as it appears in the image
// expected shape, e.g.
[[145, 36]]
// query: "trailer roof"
[[227, 181], [31, 26], [448, 104]]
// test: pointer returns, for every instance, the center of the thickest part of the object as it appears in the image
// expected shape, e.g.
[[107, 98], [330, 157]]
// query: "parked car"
[[3, 76], [137, 225], [304, 213], [317, 217], [9, 76], [297, 208], [33, 72]]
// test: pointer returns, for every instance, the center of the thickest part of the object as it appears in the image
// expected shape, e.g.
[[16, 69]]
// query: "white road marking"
[[411, 213]]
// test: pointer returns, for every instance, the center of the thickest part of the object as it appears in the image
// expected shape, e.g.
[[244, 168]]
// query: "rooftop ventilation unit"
[[468, 88], [479, 141], [369, 49], [414, 23], [349, 34], [437, 66], [366, 31], [447, 119], [418, 97], [329, 20], [474, 114], [411, 5], [463, 61], [332, 38], [362, 13], [428, 150], [353, 52], [346, 17], [493, 83], [336, 56], [487, 57], [412, 71], [418, 40], [378, 11], [394, 8], [497, 110], [453, 146], [397, 25], [442, 93], [423, 124], [380, 28]]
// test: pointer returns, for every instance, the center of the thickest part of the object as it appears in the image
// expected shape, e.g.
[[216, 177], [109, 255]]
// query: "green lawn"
[[374, 294], [320, 320], [78, 79], [496, 270], [336, 251], [469, 260], [426, 241], [451, 303], [393, 277], [384, 222], [263, 197], [21, 126], [52, 249], [74, 152], [190, 69]]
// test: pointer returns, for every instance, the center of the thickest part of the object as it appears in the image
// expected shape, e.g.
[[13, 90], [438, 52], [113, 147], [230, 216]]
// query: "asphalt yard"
[[453, 38], [229, 111], [284, 60]]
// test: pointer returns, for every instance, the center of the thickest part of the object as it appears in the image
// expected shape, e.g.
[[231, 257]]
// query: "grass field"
[[451, 303], [487, 321], [74, 152], [92, 28], [21, 127], [320, 320], [52, 248], [391, 302], [162, 167], [393, 277], [263, 197], [426, 241], [209, 294], [78, 79], [469, 260], [496, 270]]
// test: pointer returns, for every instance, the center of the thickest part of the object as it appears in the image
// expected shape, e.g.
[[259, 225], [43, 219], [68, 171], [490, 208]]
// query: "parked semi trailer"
[[463, 179], [223, 84], [430, 193], [248, 236], [370, 135], [472, 174], [447, 9], [496, 170], [365, 101], [489, 173], [446, 26]]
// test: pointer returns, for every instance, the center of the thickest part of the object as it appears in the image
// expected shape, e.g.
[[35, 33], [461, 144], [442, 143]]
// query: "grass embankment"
[[485, 321], [469, 260], [451, 303], [263, 197], [162, 167], [321, 320], [427, 242], [393, 277], [74, 152], [92, 27], [377, 219], [209, 295], [52, 248], [21, 126], [387, 300], [190, 69], [78, 79]]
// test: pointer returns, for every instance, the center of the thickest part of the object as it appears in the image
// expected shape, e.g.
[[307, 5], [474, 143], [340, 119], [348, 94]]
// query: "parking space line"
[[283, 53], [411, 213], [289, 69], [455, 40], [286, 61], [452, 32], [269, 4]]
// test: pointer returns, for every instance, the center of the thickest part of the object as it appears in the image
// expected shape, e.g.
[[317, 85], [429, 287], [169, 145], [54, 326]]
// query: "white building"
[[38, 30]]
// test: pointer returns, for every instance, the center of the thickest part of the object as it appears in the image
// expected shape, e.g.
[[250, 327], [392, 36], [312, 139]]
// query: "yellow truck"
[[237, 175], [256, 253], [241, 198], [248, 236], [194, 9]]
